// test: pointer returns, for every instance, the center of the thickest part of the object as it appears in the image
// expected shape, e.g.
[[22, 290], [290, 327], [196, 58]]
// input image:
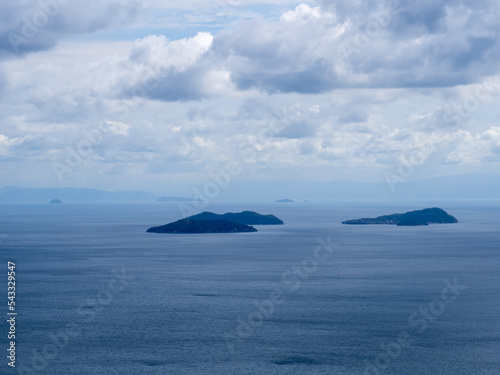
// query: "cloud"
[[6, 143], [115, 127], [308, 50], [492, 137], [315, 50], [154, 67], [172, 70], [297, 130], [3, 81], [439, 118], [349, 97], [30, 26], [425, 16], [287, 55]]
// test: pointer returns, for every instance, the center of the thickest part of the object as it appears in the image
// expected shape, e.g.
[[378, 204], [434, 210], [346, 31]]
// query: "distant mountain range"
[[480, 186], [439, 188], [34, 195]]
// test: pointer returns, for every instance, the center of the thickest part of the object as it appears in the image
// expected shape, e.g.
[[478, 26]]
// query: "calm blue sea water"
[[98, 295]]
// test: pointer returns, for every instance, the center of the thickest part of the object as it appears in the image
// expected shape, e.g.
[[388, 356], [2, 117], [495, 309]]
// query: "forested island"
[[245, 217], [413, 218], [202, 226], [209, 222]]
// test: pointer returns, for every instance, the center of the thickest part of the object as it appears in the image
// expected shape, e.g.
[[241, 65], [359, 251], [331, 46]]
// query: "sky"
[[163, 95]]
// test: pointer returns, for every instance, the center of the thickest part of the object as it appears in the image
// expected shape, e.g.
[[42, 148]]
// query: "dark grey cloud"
[[425, 44], [478, 50], [430, 44], [3, 82], [278, 57], [173, 86], [316, 78], [353, 115], [351, 9], [297, 130], [254, 109], [421, 17], [30, 26], [197, 114]]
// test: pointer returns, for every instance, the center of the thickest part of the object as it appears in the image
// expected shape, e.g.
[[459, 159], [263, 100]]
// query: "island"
[[284, 200], [412, 218], [245, 217], [55, 201], [202, 226]]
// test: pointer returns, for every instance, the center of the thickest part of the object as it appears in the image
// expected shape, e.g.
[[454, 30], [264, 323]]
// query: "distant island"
[[245, 217], [172, 199], [202, 226], [55, 201], [413, 218], [284, 200]]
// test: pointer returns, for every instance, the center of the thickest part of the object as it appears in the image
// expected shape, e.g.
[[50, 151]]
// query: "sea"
[[96, 294]]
